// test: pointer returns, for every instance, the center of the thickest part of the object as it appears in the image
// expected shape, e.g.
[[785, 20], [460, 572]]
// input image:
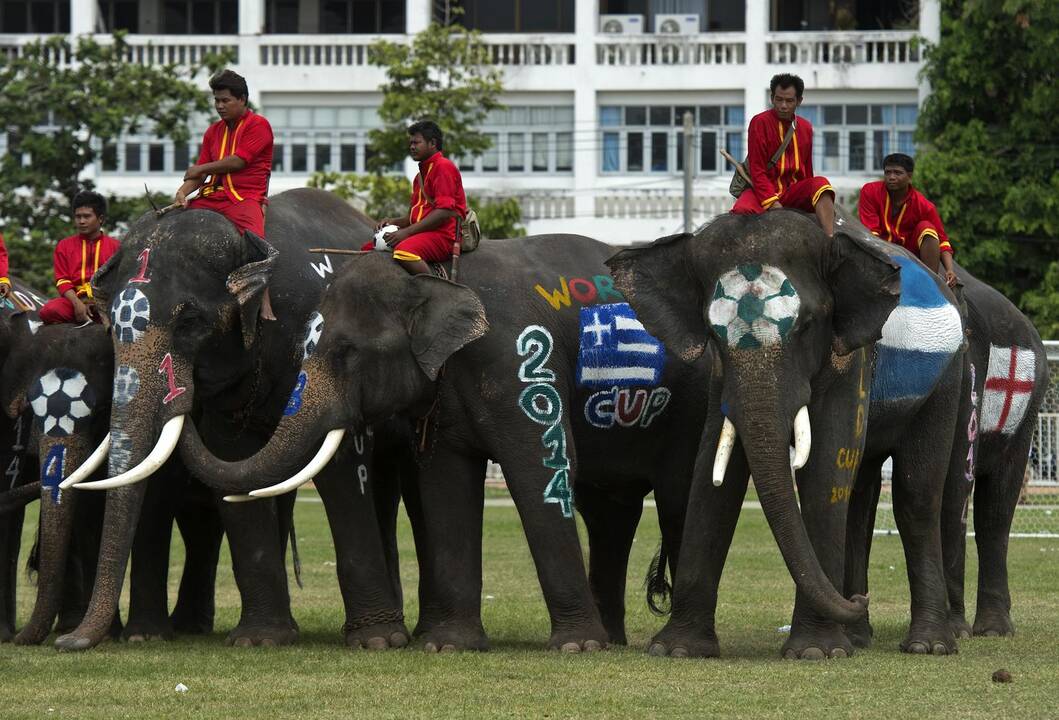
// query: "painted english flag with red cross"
[[1008, 386]]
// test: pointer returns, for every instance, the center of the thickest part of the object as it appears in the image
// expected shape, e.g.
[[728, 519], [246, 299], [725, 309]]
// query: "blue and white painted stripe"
[[616, 349]]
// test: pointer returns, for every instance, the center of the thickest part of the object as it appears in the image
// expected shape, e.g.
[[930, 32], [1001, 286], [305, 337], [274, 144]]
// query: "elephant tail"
[[33, 561], [659, 589], [295, 557]]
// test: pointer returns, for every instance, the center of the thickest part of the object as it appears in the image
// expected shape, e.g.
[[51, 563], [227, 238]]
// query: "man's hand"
[[181, 198], [395, 237], [775, 206], [5, 290], [383, 223], [80, 312], [950, 278], [194, 173]]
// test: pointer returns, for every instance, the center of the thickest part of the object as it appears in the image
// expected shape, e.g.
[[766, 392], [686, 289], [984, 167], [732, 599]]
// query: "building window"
[[505, 16], [855, 138], [729, 15], [120, 15], [34, 16], [816, 15], [200, 17], [362, 16], [650, 138], [527, 139], [281, 16], [321, 139]]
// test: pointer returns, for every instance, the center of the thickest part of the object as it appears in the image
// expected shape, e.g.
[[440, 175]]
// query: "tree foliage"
[[444, 75], [60, 101], [990, 158]]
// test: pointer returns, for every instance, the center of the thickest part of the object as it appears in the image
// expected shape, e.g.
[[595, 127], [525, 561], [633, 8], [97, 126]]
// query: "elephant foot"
[[993, 623], [382, 636], [860, 633], [592, 638], [450, 637], [816, 642], [7, 633], [245, 635], [73, 642], [138, 631], [961, 629], [930, 639], [675, 640], [188, 623], [32, 635]]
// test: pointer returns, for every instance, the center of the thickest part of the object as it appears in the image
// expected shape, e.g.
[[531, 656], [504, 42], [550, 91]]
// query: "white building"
[[591, 140]]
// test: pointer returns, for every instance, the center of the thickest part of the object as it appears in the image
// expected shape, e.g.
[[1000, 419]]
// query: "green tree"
[[60, 100], [990, 157]]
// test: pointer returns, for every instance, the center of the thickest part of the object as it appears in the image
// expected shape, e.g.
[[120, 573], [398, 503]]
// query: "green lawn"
[[319, 677]]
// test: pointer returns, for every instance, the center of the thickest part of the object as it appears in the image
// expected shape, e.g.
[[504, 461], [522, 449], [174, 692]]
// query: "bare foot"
[[266, 308]]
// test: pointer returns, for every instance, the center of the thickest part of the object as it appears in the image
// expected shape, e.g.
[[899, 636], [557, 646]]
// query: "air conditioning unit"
[[621, 24], [683, 24]]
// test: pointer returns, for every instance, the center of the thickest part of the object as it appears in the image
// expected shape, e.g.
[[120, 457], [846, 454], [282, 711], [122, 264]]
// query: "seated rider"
[[76, 259], [234, 165], [438, 204], [5, 283], [895, 211], [789, 182]]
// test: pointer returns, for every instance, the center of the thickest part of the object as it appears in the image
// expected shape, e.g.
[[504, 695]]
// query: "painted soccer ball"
[[312, 334], [131, 313], [62, 400]]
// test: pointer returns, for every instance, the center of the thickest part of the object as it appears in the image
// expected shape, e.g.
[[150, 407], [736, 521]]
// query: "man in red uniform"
[[76, 259], [437, 205], [895, 211], [790, 181], [234, 165], [5, 283]]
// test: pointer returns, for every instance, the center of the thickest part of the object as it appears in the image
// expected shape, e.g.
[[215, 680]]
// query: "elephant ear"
[[443, 317], [657, 281], [866, 285], [105, 280], [248, 283]]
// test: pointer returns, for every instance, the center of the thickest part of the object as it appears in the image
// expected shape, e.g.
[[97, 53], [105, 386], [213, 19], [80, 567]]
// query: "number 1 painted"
[[141, 277], [167, 368]]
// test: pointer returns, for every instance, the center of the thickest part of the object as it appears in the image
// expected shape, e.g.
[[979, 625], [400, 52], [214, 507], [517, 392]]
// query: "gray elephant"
[[64, 375], [185, 291], [850, 342], [561, 385]]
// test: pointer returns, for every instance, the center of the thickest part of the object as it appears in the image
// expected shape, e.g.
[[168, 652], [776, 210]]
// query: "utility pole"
[[689, 158]]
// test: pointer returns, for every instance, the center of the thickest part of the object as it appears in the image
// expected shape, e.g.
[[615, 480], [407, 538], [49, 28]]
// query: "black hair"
[[786, 80], [429, 130], [901, 160], [89, 199], [231, 81]]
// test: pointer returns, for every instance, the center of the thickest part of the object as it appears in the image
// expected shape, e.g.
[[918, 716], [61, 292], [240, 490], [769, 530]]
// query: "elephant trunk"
[[57, 510], [305, 419], [19, 497], [766, 440]]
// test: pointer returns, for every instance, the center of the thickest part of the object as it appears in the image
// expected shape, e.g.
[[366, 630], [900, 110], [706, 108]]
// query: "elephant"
[[1005, 379], [64, 374], [851, 343], [184, 292], [532, 360]]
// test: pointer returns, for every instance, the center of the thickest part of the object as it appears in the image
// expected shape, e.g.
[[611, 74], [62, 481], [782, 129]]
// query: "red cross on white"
[[1008, 387]]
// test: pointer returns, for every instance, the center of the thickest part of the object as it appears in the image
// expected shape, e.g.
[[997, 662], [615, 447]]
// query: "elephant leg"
[[201, 530], [712, 514], [860, 528], [149, 568], [448, 500], [257, 545], [10, 545], [959, 482], [374, 617], [996, 495], [611, 524]]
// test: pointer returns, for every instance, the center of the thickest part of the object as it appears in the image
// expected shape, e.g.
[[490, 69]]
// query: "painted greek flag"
[[616, 350]]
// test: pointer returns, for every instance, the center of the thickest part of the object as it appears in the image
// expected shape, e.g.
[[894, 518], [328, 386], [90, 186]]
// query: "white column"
[[251, 17], [757, 73], [586, 114], [929, 30], [417, 14], [84, 16]]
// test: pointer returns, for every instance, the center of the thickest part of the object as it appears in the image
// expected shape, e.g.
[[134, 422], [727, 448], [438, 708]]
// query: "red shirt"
[[899, 226], [77, 259], [252, 141], [3, 261], [444, 191], [764, 137]]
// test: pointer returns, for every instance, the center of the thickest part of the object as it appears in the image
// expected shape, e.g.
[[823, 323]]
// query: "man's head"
[[424, 139], [897, 171], [230, 95], [89, 210], [785, 91]]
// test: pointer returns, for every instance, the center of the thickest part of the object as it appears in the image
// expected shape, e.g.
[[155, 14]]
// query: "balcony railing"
[[842, 48], [142, 49], [545, 206], [658, 204], [711, 49]]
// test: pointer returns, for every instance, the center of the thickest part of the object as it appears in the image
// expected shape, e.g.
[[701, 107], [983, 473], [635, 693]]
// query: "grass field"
[[319, 677]]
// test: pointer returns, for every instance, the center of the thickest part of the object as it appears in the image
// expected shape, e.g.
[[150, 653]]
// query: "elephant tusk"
[[167, 442], [803, 438], [323, 456], [724, 452], [89, 466], [239, 498]]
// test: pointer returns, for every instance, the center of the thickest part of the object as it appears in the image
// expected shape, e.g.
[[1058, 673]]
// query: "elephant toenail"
[[243, 642], [448, 648], [593, 646], [657, 650], [940, 649], [813, 653], [137, 638], [964, 635], [375, 643], [430, 647], [398, 640], [839, 653], [570, 648], [679, 652], [790, 655], [918, 648], [268, 642]]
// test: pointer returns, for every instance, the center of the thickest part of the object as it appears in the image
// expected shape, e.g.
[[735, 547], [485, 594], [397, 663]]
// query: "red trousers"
[[431, 246], [59, 310], [245, 215], [802, 195]]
